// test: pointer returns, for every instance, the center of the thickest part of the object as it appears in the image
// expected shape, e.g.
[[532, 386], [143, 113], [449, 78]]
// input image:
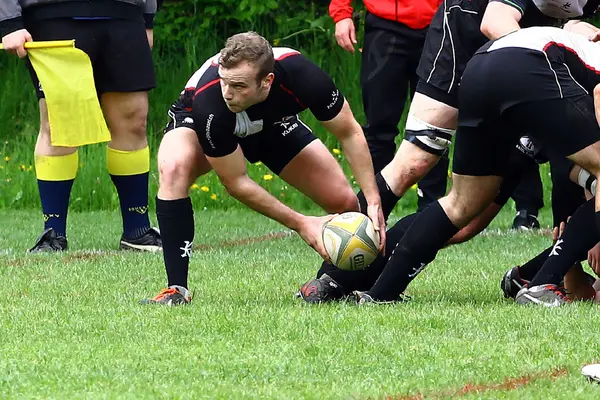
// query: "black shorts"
[[118, 50], [454, 35], [275, 146], [510, 93]]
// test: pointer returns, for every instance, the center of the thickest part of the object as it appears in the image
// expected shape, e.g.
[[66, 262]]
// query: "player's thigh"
[[317, 174], [180, 156], [433, 108]]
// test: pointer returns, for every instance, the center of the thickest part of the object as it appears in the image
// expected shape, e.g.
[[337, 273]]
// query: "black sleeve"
[[520, 5], [215, 123], [314, 88]]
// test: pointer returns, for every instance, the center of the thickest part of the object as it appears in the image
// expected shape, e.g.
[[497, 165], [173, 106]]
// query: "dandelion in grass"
[[22, 167], [337, 152], [268, 177], [213, 196], [6, 159], [204, 189], [258, 163], [194, 187]]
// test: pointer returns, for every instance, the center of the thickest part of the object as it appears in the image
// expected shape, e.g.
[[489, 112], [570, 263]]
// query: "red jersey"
[[416, 14]]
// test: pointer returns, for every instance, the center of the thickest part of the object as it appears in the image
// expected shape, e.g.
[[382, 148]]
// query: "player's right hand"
[[311, 231], [594, 258], [14, 43], [345, 34]]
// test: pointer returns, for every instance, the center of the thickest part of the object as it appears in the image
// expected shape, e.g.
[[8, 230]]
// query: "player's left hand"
[[375, 212]]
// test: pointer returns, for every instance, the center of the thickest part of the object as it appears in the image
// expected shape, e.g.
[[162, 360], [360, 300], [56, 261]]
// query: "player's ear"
[[268, 80]]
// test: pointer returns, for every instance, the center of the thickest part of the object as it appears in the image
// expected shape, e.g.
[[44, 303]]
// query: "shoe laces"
[[561, 291], [166, 292]]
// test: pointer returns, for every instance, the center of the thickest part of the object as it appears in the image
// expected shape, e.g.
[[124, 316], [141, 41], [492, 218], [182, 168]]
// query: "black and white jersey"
[[299, 84], [560, 10], [580, 56]]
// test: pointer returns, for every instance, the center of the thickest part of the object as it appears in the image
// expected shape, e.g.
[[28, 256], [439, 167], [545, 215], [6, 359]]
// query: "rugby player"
[[457, 30], [541, 81], [242, 104]]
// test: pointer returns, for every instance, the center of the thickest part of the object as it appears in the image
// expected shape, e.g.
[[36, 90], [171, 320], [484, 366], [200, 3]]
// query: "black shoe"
[[512, 282], [365, 298], [525, 221], [171, 296], [49, 242], [150, 241], [321, 290]]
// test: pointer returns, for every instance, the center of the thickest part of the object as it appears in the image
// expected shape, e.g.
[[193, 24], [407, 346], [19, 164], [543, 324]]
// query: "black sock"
[[528, 270], [430, 231], [364, 279], [579, 236], [388, 198], [176, 224]]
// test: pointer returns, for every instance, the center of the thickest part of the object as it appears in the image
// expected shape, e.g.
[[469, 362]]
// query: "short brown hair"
[[249, 47]]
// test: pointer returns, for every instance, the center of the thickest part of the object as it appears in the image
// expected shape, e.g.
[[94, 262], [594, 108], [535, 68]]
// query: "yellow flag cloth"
[[67, 80]]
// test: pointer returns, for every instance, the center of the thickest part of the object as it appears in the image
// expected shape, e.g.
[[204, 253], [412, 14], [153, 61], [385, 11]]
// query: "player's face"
[[240, 88]]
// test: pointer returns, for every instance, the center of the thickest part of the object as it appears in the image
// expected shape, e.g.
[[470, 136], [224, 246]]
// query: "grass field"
[[72, 328]]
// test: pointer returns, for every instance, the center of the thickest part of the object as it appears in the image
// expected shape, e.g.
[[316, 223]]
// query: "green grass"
[[71, 325]]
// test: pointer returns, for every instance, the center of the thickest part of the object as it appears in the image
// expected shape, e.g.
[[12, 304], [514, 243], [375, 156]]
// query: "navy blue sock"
[[133, 196], [54, 196]]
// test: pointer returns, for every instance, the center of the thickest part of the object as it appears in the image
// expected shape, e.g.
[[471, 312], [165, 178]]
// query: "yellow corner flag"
[[67, 79]]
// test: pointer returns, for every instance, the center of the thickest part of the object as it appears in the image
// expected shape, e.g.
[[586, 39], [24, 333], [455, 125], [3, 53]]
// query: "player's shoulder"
[[207, 72], [282, 53]]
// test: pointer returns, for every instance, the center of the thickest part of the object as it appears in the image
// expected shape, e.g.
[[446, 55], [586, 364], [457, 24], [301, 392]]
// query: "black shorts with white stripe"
[[454, 35], [515, 91]]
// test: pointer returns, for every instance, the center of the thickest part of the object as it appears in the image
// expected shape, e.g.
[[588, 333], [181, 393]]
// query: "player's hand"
[[345, 34], [14, 43], [150, 36], [376, 214], [594, 258], [558, 230], [595, 37], [311, 231]]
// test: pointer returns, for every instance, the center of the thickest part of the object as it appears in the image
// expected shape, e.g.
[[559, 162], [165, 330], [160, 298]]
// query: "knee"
[[430, 138], [136, 122], [175, 173], [345, 201]]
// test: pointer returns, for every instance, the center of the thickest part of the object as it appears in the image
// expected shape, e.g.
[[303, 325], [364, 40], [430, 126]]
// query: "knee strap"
[[428, 137]]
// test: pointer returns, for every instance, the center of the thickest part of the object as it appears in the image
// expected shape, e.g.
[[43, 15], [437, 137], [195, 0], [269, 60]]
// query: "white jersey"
[[577, 53], [542, 38]]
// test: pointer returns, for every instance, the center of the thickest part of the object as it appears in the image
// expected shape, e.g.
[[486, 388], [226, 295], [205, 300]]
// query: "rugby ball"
[[351, 241]]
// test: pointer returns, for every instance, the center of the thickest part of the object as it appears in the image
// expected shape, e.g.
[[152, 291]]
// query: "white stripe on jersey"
[[278, 53], [538, 38]]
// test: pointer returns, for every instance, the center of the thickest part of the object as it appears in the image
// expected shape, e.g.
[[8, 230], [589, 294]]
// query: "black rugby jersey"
[[298, 85]]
